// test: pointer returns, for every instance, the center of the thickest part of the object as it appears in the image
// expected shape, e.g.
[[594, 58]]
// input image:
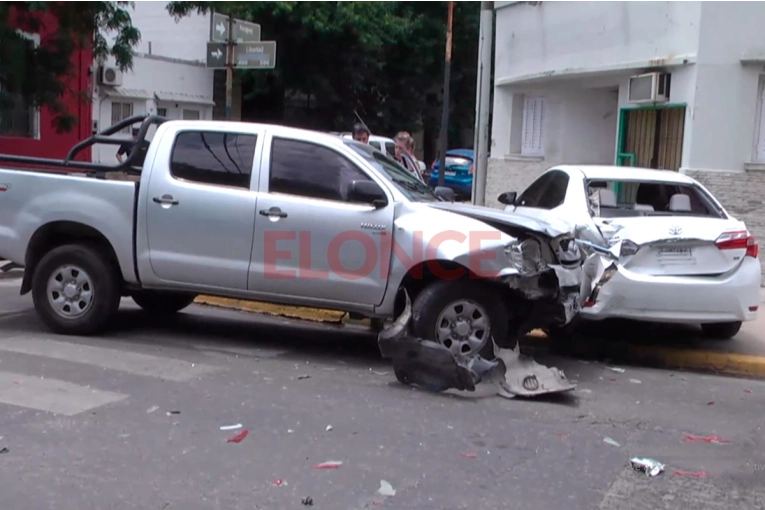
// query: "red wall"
[[51, 144]]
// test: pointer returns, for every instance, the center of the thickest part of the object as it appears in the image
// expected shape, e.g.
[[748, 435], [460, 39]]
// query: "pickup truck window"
[[216, 158], [410, 186], [309, 170]]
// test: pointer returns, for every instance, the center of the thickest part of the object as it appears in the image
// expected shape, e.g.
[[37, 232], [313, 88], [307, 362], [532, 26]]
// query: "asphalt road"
[[86, 424]]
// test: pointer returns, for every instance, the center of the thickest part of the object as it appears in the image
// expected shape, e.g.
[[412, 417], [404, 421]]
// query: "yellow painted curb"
[[728, 363], [295, 312], [722, 362]]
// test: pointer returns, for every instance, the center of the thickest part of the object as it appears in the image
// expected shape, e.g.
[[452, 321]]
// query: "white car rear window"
[[624, 198]]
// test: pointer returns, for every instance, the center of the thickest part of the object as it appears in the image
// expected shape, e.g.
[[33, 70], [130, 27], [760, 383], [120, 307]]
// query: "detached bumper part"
[[524, 377], [431, 366]]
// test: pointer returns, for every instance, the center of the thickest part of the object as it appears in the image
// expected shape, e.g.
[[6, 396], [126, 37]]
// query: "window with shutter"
[[532, 140], [759, 155], [121, 111]]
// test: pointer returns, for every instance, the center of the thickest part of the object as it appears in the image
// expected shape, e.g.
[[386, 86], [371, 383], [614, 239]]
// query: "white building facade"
[[562, 82], [168, 77], [156, 85]]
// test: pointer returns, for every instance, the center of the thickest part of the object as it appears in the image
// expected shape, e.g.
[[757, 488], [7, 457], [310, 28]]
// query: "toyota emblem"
[[675, 231]]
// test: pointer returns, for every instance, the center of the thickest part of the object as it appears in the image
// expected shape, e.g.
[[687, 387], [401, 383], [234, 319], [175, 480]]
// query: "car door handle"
[[165, 200], [274, 211]]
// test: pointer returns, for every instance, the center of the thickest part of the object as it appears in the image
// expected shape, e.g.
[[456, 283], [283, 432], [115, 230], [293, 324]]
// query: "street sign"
[[216, 55], [258, 55], [243, 31]]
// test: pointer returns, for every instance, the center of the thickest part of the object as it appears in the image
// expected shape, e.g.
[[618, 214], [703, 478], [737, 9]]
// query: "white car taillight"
[[738, 240]]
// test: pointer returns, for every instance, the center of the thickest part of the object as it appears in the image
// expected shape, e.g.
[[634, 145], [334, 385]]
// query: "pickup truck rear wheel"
[[160, 303], [76, 289], [462, 315], [721, 330]]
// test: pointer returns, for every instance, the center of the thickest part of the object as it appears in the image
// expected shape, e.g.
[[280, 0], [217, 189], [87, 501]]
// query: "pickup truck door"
[[310, 241], [200, 207]]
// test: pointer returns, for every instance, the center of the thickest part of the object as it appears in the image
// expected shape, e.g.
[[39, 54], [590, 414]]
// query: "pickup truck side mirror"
[[507, 198], [444, 193], [367, 192]]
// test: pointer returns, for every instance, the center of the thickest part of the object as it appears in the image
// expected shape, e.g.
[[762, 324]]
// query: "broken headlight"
[[568, 251], [526, 257], [628, 249]]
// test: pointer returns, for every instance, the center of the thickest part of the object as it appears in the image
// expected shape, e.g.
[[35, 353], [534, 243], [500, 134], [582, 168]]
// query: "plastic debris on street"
[[330, 464], [238, 438], [386, 489], [648, 466]]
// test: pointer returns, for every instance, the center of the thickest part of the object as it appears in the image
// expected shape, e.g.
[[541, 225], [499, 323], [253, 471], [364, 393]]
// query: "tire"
[[721, 330], [89, 299], [160, 304], [442, 295]]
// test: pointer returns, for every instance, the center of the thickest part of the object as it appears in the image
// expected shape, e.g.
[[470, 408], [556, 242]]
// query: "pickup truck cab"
[[281, 215]]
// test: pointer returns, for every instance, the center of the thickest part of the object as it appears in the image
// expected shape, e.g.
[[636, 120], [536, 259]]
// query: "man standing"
[[361, 133], [124, 151], [125, 148]]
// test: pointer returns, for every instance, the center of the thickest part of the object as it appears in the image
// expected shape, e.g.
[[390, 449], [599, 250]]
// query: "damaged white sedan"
[[682, 258]]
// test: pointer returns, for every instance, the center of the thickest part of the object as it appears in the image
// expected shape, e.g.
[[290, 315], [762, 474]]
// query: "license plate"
[[675, 253], [450, 173]]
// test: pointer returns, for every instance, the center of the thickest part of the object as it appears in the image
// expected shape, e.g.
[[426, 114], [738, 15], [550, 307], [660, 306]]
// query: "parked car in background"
[[682, 257], [381, 143], [459, 172]]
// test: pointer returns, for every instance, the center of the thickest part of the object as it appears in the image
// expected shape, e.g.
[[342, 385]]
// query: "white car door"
[[310, 240]]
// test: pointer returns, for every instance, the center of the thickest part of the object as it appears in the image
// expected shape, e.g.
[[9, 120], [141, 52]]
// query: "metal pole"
[[483, 107], [230, 67], [443, 138]]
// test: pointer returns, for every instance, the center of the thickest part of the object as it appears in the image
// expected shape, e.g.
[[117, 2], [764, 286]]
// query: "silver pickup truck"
[[279, 215]]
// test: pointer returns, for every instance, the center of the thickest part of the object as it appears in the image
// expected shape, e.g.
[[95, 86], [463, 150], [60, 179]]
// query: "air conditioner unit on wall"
[[111, 76], [649, 88]]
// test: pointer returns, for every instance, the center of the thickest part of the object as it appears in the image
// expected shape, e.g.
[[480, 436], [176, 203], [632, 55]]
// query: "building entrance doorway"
[[652, 137]]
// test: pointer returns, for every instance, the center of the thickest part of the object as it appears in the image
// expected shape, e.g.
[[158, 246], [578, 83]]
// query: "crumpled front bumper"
[[558, 294]]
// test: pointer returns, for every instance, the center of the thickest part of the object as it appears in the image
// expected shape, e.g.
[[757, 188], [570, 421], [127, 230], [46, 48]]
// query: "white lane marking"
[[124, 361], [52, 395], [10, 282]]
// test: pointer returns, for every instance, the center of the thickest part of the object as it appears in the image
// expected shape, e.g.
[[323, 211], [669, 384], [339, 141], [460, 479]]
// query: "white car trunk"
[[675, 245]]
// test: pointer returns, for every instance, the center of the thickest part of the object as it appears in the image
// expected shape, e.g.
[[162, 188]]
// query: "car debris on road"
[[435, 368], [648, 466]]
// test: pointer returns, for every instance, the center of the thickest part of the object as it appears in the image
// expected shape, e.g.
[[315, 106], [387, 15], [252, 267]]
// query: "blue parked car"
[[459, 172]]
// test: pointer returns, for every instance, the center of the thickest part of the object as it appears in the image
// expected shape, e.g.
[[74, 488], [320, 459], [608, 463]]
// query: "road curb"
[[727, 363], [294, 312]]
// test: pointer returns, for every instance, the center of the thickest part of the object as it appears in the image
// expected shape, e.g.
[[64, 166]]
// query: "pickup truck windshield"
[[413, 189]]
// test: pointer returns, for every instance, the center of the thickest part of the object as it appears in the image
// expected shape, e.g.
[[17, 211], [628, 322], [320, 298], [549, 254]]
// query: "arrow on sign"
[[221, 28], [217, 54]]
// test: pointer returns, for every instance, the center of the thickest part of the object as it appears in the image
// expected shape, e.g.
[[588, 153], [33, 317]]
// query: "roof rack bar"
[[103, 137]]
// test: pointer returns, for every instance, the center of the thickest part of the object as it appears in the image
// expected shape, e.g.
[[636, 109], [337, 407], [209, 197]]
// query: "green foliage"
[[40, 76], [384, 60]]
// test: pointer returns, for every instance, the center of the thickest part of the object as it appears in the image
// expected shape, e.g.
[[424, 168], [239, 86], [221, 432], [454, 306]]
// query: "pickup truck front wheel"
[[462, 315], [76, 289], [158, 303]]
